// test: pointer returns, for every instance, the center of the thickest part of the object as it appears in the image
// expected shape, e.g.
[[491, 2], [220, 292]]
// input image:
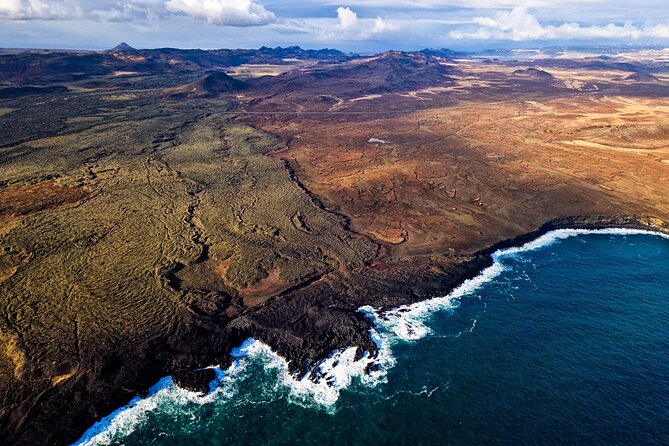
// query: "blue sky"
[[354, 25]]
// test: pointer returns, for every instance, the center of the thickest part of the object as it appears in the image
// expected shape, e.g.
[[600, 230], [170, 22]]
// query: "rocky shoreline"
[[303, 358]]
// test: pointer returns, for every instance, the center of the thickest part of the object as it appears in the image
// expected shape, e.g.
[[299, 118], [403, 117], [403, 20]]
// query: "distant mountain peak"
[[123, 47]]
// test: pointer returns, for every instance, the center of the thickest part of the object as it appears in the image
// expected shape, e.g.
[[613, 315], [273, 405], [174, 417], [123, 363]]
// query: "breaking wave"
[[321, 386], [409, 322]]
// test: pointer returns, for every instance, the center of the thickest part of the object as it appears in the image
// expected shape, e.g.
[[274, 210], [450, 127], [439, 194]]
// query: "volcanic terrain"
[[158, 207]]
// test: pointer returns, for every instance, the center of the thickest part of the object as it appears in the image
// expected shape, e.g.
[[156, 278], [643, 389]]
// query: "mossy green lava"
[[90, 288]]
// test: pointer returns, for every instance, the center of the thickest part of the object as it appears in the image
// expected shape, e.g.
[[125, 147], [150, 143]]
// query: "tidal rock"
[[194, 380]]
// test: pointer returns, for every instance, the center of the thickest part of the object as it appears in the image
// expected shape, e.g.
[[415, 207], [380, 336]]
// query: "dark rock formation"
[[63, 66], [209, 86], [122, 47], [194, 380], [642, 77], [393, 71], [533, 73]]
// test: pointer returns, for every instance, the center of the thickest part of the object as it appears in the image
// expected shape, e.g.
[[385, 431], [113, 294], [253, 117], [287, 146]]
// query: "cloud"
[[218, 12], [520, 25], [359, 25], [223, 12], [98, 10], [346, 27], [128, 11], [660, 31], [350, 27], [347, 18], [472, 4], [38, 9]]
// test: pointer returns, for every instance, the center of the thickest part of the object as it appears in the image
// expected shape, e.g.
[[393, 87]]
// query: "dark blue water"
[[568, 345]]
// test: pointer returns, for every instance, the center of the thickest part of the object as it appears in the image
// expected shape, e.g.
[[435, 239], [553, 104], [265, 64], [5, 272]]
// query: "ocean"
[[564, 340]]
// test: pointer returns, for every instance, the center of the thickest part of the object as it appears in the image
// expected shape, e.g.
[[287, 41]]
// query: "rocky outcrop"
[[533, 73], [642, 77], [210, 86], [194, 380]]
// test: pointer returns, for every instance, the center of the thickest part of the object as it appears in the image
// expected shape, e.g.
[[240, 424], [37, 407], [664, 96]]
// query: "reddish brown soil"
[[258, 292], [27, 199], [454, 179]]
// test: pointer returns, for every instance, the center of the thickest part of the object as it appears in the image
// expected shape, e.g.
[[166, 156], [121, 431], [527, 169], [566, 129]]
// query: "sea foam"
[[409, 322], [321, 386]]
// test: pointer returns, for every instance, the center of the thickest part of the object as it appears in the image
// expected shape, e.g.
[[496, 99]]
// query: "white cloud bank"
[[513, 24], [39, 9], [234, 13], [223, 12], [346, 27], [520, 25], [217, 12], [472, 4]]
